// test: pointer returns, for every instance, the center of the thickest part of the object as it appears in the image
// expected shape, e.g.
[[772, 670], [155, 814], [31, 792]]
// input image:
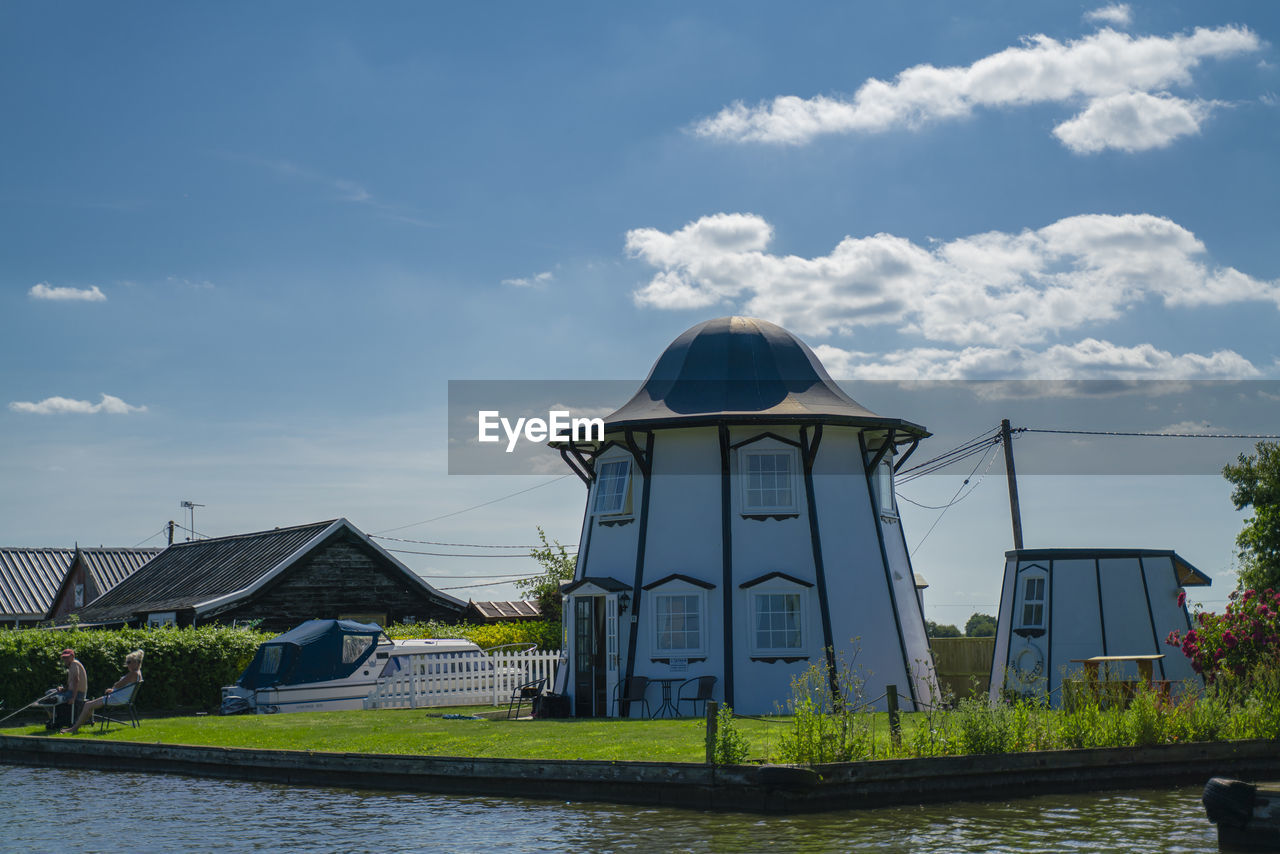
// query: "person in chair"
[[117, 695]]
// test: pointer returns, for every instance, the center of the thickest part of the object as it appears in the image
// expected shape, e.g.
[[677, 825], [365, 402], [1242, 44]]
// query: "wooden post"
[[895, 726], [170, 532], [1015, 512], [713, 722]]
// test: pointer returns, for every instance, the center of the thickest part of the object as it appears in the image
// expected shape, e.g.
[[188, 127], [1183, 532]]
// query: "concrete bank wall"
[[768, 789]]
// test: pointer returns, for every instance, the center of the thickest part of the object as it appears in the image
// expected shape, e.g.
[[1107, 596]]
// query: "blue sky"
[[271, 236]]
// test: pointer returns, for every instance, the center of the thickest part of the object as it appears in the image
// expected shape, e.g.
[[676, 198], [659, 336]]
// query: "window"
[[271, 659], [613, 488], [678, 623], [162, 618], [79, 595], [768, 480], [1033, 602], [887, 504], [354, 646], [777, 622]]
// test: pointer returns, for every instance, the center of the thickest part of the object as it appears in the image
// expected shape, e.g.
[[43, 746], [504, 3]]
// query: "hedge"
[[182, 668], [545, 633]]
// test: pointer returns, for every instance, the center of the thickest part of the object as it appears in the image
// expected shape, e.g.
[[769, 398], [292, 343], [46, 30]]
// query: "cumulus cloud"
[[1090, 359], [529, 281], [44, 291], [67, 406], [973, 290], [1093, 70], [1117, 15]]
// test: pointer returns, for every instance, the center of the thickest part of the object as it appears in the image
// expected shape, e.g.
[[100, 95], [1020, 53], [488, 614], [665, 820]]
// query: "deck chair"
[[530, 691], [705, 686], [118, 711], [631, 691]]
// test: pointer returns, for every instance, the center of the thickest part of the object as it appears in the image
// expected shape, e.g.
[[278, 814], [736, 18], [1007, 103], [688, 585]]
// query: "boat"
[[330, 665]]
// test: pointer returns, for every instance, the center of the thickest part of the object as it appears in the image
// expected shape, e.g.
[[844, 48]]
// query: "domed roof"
[[743, 369]]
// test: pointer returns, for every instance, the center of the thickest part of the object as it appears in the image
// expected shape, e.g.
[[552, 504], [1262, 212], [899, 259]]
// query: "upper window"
[[888, 505], [1033, 602], [678, 623], [768, 480], [613, 488], [79, 595]]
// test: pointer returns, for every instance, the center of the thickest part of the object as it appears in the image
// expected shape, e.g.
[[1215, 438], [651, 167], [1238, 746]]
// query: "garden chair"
[[632, 691], [705, 686], [118, 709], [527, 691]]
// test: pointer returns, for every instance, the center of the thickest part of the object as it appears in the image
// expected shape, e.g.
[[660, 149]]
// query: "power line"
[[469, 586], [152, 537], [954, 499], [1150, 435], [466, 545], [459, 578], [475, 506], [458, 554]]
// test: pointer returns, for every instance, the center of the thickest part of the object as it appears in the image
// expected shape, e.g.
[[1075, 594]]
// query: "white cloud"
[[1090, 359], [1133, 121], [537, 281], [1094, 69], [981, 289], [43, 291], [68, 406], [1117, 14]]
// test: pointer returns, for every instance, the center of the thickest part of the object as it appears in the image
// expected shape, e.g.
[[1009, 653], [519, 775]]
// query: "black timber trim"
[[691, 660], [884, 449], [1102, 614], [762, 579], [726, 559], [764, 517], [1004, 580], [807, 453], [624, 706], [888, 573], [915, 443], [582, 475], [642, 458], [1048, 644], [766, 435], [774, 659], [1155, 639], [677, 576]]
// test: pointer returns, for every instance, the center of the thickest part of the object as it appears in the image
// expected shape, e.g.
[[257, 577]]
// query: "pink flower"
[[1182, 598], [1229, 639]]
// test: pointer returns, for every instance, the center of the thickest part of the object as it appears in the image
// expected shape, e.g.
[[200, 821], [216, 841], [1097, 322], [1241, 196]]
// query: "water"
[[51, 810]]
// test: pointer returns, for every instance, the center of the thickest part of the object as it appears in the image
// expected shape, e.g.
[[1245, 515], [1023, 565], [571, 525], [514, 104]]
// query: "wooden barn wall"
[[341, 576]]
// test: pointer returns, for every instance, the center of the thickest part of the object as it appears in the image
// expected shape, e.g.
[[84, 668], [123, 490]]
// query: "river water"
[[49, 810]]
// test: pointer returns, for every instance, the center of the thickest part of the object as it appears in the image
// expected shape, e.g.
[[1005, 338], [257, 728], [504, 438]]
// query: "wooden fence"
[[960, 661], [461, 678]]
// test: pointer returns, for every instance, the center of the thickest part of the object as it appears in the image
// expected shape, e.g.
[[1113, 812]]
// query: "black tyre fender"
[[1229, 802], [789, 777]]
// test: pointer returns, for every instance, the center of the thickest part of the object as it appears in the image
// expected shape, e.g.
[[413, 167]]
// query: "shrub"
[[545, 633], [1235, 643], [731, 746]]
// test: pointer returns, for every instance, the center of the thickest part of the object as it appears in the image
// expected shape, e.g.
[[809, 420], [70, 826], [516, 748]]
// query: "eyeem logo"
[[553, 429]]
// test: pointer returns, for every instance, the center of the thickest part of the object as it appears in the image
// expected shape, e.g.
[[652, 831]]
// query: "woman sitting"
[[118, 694]]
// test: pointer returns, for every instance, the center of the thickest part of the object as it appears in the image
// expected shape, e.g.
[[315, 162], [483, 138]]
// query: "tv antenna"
[[190, 507]]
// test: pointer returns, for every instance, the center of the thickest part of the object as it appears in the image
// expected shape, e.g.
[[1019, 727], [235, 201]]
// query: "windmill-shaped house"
[[741, 525]]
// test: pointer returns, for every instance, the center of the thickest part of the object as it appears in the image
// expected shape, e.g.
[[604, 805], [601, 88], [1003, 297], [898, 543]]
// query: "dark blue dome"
[[742, 369]]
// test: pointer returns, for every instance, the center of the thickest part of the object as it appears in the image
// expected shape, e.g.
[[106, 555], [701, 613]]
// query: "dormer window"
[[613, 488], [1033, 602]]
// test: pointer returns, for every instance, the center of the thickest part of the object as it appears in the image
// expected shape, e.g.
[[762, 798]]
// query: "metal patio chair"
[[635, 689], [529, 691], [705, 687], [120, 712]]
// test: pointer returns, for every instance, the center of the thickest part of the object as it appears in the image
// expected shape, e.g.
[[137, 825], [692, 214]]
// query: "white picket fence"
[[462, 678]]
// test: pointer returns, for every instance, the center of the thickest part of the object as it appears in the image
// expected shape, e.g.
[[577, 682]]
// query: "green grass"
[[425, 732]]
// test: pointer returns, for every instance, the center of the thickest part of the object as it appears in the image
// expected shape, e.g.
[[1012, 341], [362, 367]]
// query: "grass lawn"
[[426, 732]]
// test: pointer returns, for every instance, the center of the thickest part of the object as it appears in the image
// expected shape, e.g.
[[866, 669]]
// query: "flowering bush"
[[1236, 642]]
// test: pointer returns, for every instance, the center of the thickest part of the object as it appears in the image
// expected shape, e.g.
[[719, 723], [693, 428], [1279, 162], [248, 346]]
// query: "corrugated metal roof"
[[187, 574], [30, 577], [522, 610]]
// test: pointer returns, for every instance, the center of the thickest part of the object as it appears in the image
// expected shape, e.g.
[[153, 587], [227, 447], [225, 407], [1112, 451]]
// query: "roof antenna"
[[190, 507]]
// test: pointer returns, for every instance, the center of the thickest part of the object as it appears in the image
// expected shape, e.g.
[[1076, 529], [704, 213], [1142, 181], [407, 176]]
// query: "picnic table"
[[1145, 664]]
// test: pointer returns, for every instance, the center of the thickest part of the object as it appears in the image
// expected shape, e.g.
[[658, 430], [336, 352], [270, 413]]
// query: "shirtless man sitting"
[[73, 692]]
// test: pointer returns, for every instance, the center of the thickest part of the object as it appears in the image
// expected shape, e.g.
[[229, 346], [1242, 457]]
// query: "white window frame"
[[768, 449], [778, 587], [667, 591], [885, 497], [623, 509], [162, 618], [1042, 581]]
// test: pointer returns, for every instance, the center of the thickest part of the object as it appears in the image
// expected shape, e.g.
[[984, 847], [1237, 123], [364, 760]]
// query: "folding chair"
[[632, 691], [528, 691], [706, 685], [118, 711]]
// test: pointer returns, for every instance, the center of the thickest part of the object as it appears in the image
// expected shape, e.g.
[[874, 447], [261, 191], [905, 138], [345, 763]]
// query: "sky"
[[244, 250]]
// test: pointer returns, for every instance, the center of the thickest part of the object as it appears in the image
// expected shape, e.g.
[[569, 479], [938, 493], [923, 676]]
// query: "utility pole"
[[170, 532], [1006, 436]]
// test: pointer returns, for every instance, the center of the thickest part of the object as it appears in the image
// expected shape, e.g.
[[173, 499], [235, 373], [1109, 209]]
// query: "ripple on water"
[[161, 813]]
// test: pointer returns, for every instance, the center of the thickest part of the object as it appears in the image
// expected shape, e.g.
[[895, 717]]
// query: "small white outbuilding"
[[741, 525], [1061, 606]]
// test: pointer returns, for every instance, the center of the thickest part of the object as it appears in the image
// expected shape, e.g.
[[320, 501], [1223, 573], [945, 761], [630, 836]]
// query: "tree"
[[980, 626], [557, 568], [935, 630], [1257, 485]]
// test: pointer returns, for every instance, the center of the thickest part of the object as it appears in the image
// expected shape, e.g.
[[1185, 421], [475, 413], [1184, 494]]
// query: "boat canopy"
[[316, 651]]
